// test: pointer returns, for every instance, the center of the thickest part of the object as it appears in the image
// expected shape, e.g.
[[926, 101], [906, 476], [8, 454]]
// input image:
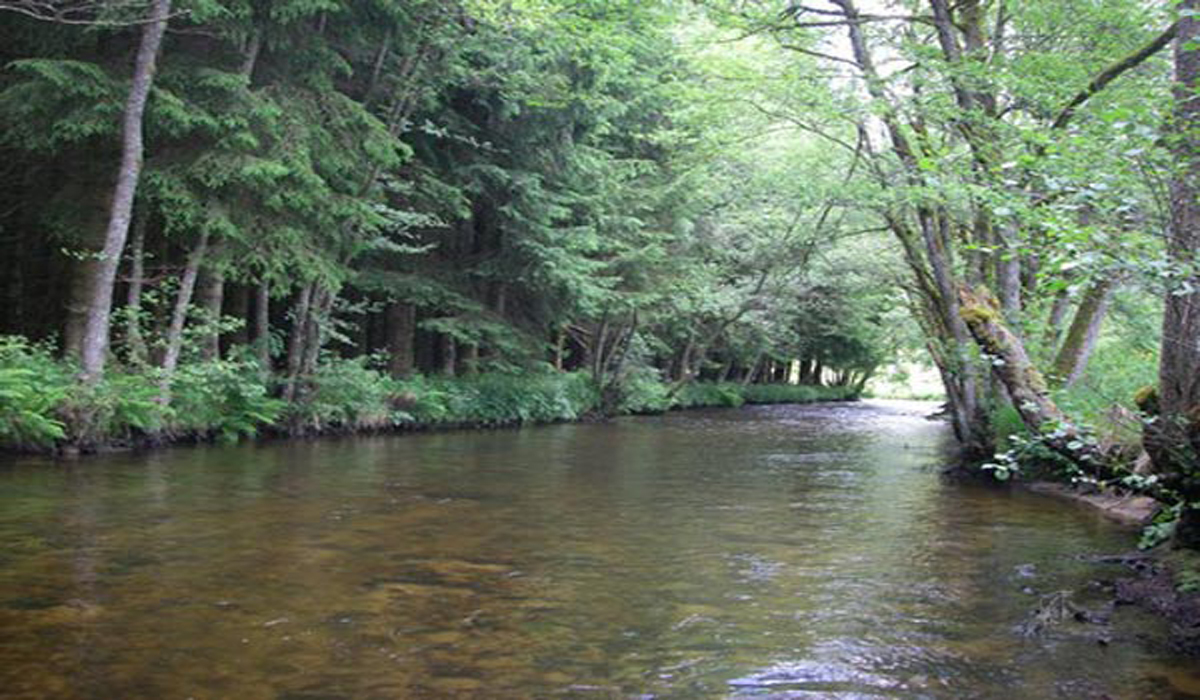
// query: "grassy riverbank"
[[43, 408]]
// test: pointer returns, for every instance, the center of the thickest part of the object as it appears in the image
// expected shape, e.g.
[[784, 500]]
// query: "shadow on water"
[[786, 551]]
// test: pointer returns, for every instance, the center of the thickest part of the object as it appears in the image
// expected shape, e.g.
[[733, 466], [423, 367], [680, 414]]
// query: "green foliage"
[[42, 405], [792, 393], [32, 384], [224, 398], [643, 392], [709, 394], [1187, 581], [500, 398], [1161, 528], [347, 394], [115, 410]]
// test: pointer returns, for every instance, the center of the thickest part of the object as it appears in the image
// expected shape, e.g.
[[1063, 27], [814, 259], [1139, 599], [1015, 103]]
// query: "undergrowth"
[[44, 407]]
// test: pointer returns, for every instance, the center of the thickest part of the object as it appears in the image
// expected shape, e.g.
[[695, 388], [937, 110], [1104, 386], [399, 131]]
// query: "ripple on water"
[[781, 551]]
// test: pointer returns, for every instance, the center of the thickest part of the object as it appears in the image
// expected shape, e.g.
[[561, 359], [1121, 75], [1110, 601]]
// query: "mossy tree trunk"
[[1026, 387], [1083, 333]]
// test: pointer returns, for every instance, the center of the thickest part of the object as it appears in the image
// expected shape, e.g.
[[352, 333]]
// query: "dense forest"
[[220, 217]]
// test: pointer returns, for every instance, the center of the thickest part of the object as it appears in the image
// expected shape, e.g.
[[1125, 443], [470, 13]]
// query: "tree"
[[1174, 439], [94, 346]]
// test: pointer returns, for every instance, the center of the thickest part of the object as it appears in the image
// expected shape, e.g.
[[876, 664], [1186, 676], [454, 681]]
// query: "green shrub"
[[32, 384], [348, 394], [699, 394], [643, 391], [795, 393], [226, 398], [42, 404], [498, 398]]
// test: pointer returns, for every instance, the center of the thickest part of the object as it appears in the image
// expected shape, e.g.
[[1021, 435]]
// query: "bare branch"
[[818, 54], [107, 13]]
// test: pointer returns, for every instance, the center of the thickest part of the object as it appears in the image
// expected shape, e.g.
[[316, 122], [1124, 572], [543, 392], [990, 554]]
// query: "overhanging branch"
[[1113, 72]]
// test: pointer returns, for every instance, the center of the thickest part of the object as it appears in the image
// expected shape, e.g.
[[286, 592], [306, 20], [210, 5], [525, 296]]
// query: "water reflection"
[[777, 552]]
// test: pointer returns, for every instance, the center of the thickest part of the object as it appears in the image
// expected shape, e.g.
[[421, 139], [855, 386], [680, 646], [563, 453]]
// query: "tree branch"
[[1113, 72]]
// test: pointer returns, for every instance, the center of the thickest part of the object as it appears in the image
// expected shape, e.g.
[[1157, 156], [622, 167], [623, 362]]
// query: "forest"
[[221, 218]]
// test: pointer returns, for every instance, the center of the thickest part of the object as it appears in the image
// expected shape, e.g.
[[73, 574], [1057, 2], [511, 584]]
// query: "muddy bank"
[[1163, 581], [1125, 508]]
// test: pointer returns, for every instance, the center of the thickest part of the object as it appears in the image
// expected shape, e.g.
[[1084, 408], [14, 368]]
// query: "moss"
[[1146, 399], [979, 313], [1036, 381]]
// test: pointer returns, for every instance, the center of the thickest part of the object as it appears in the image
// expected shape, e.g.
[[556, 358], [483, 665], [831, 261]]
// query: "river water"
[[782, 552]]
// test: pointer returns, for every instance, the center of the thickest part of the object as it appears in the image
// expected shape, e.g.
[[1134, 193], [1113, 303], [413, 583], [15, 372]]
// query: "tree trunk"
[[1175, 438], [319, 311], [449, 356], [683, 366], [133, 300], [94, 347], [1030, 395], [239, 308], [1008, 279], [1054, 324], [1081, 338], [296, 337], [471, 359], [401, 320], [560, 347], [726, 370], [752, 371], [262, 328], [183, 300], [212, 299]]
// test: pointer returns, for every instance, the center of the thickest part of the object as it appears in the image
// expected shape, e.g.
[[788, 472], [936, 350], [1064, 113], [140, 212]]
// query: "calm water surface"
[[783, 552]]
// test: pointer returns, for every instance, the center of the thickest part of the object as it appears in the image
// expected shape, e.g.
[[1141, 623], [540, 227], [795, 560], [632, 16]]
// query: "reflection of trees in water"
[[659, 555]]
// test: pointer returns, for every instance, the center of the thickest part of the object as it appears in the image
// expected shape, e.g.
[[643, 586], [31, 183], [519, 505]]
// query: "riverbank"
[[1162, 580], [43, 409]]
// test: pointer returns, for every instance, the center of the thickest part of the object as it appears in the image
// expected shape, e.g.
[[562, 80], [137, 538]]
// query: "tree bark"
[[262, 328], [1072, 357], [401, 320], [183, 300], [1174, 441], [239, 308], [1054, 323], [752, 371], [133, 299], [560, 349], [1028, 390], [1008, 279], [212, 299], [471, 359], [316, 328], [94, 347], [296, 337], [449, 355], [726, 370]]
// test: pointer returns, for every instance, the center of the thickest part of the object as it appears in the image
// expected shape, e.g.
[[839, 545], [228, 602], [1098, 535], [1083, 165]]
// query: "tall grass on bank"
[[43, 407]]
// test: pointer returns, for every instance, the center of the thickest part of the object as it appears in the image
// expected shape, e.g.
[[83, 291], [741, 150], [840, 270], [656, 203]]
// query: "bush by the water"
[[44, 406]]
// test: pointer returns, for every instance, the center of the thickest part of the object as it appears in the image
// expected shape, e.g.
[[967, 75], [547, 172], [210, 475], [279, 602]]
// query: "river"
[[782, 552]]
